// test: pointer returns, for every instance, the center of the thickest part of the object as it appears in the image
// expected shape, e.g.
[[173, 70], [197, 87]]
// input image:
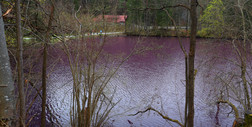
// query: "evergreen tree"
[[212, 20]]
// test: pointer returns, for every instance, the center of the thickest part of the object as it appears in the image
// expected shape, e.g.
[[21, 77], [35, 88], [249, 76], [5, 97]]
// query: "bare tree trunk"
[[193, 14], [22, 111], [244, 82], [125, 13], [187, 89], [43, 114], [244, 57], [187, 17], [7, 98]]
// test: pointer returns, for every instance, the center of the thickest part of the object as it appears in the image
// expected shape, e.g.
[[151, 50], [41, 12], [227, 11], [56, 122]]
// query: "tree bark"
[[7, 98], [125, 13], [187, 17], [43, 114], [244, 57], [22, 111], [193, 14]]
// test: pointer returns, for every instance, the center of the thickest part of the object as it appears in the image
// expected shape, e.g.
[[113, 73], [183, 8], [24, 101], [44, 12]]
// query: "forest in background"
[[217, 18]]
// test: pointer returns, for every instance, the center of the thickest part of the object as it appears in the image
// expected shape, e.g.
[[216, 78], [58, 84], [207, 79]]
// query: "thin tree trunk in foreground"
[[22, 111], [43, 114], [193, 14], [244, 57], [7, 98]]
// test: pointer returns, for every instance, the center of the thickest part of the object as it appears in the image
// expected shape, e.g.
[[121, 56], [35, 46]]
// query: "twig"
[[232, 106], [9, 10], [2, 85], [75, 16], [163, 116], [29, 121]]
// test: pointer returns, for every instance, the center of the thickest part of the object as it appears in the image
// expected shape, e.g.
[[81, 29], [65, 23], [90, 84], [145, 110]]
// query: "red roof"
[[111, 18]]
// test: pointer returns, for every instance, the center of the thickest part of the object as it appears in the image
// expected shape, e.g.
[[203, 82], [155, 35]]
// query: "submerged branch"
[[163, 116]]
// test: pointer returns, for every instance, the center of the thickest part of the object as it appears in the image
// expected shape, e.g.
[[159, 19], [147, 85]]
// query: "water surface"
[[153, 78]]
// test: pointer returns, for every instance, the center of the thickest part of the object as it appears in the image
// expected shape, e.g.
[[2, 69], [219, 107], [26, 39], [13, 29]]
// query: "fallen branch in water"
[[163, 116]]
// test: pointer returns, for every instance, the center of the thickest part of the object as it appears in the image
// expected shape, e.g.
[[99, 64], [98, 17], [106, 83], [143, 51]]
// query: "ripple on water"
[[146, 80]]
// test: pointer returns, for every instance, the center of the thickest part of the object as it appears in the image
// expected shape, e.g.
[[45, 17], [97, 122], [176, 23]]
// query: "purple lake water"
[[153, 78]]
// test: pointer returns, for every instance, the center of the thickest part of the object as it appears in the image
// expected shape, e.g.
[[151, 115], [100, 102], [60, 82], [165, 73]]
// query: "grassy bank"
[[158, 33]]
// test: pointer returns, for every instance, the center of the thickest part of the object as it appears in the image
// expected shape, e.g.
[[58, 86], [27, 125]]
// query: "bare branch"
[[75, 16], [202, 9], [9, 10], [163, 116], [176, 29], [186, 58], [232, 106]]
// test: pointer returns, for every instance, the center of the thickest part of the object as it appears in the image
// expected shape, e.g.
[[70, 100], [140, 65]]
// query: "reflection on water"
[[154, 78]]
